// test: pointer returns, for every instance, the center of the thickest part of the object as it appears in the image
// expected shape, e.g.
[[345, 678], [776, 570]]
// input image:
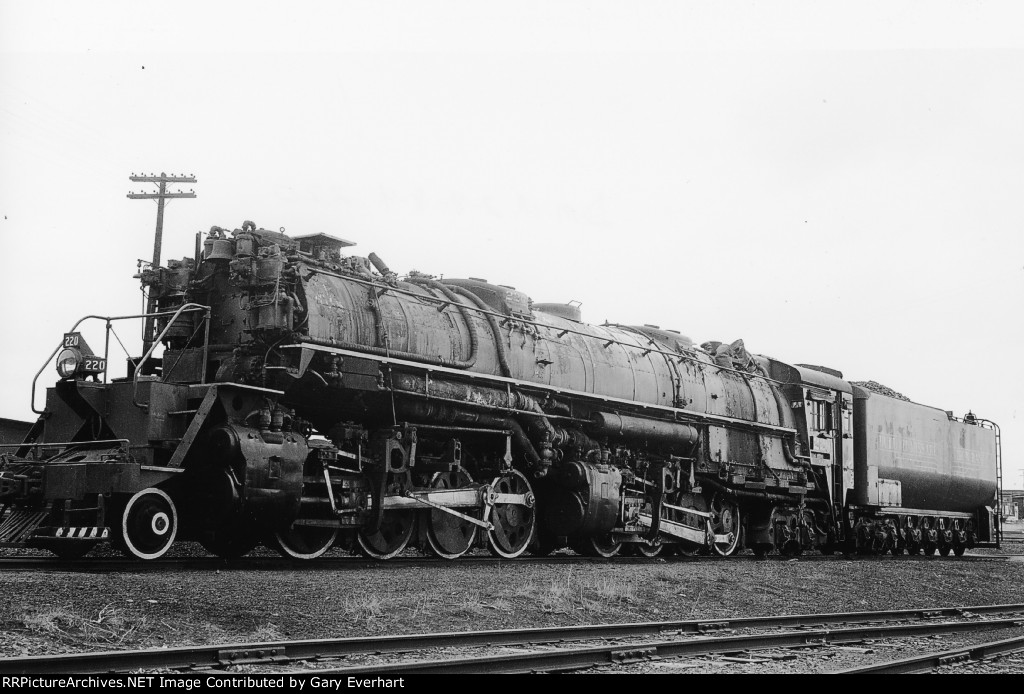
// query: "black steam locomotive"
[[307, 399]]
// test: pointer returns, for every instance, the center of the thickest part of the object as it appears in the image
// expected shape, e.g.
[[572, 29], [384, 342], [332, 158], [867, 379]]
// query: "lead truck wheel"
[[149, 524]]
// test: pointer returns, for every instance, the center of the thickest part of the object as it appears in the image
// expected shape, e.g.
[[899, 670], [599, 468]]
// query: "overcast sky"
[[836, 184]]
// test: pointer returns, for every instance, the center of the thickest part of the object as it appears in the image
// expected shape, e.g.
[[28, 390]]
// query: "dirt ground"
[[67, 611]]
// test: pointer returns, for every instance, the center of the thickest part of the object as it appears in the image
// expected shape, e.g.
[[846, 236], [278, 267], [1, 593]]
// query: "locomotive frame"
[[305, 401]]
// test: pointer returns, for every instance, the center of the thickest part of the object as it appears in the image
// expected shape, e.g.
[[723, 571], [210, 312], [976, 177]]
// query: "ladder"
[[999, 479]]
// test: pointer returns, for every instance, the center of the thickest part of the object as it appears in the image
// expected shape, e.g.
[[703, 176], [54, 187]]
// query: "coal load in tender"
[[876, 387]]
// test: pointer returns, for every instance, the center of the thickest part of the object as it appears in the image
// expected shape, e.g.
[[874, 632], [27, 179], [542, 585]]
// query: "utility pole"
[[163, 179]]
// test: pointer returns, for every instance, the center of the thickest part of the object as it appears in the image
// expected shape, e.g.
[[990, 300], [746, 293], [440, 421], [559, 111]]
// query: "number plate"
[[94, 365]]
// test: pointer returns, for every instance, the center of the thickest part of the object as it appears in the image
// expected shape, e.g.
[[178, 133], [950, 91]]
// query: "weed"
[[364, 608], [266, 632], [110, 626], [578, 593], [422, 605]]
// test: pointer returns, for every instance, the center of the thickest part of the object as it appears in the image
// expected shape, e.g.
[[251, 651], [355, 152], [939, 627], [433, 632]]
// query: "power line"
[[160, 196], [163, 179]]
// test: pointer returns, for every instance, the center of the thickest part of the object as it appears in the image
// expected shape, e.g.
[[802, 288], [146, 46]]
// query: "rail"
[[564, 659], [814, 630], [106, 347], [930, 661]]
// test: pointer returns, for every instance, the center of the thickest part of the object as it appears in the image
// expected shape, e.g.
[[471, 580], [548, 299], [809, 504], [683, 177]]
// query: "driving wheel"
[[598, 547], [645, 550], [396, 529], [231, 540], [725, 520], [513, 523], [303, 541], [449, 536]]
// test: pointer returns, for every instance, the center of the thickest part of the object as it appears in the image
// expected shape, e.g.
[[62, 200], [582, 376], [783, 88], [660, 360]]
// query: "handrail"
[[156, 343], [109, 320]]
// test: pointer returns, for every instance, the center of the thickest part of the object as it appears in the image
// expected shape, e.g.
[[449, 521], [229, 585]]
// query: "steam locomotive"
[[292, 395]]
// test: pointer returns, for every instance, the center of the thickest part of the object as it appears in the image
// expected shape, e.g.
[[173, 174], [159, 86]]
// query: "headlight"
[[67, 362]]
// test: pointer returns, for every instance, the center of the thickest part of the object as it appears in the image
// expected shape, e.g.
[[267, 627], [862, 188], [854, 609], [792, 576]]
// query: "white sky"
[[835, 183]]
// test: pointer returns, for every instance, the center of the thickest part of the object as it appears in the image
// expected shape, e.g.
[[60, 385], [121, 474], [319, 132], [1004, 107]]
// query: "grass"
[[111, 626], [367, 609], [573, 593]]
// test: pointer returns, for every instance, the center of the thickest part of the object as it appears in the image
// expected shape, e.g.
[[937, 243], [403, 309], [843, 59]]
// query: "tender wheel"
[[514, 524], [395, 532], [597, 547], [893, 542], [725, 521], [959, 550], [944, 550], [449, 536], [149, 524], [880, 543], [303, 541]]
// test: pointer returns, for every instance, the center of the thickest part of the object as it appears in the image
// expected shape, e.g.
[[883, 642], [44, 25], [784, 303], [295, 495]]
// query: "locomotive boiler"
[[297, 396]]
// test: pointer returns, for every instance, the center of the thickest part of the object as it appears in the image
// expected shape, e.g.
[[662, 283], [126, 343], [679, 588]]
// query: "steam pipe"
[[499, 343], [412, 356], [613, 424], [474, 339], [382, 268]]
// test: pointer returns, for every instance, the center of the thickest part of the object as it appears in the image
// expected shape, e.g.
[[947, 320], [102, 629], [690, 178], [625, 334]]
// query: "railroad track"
[[740, 648], [805, 630], [271, 563], [931, 661]]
